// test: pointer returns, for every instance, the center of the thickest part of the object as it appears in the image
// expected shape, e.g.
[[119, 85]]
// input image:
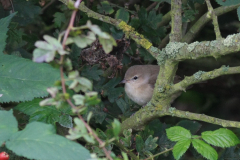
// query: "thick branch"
[[192, 33], [215, 49], [203, 76]]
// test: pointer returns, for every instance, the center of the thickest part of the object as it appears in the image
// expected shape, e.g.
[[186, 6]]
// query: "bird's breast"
[[139, 94]]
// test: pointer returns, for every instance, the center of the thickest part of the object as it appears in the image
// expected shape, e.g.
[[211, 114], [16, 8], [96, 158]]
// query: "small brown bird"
[[139, 82]]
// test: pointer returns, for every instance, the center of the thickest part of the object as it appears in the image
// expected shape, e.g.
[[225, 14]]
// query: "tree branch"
[[192, 33], [203, 76], [212, 14], [176, 14]]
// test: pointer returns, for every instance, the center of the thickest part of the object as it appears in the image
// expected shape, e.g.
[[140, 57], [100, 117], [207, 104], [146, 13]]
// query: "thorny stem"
[[70, 26]]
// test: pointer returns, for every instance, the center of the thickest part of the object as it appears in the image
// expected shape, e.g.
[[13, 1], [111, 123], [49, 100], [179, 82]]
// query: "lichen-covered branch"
[[216, 48], [203, 76], [201, 117], [211, 13], [193, 31]]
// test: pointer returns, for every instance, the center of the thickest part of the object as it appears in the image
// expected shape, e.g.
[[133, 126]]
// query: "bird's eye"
[[135, 77]]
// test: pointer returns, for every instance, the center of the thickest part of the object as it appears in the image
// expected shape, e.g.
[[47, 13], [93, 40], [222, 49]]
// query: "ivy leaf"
[[8, 125], [205, 149], [105, 8], [59, 18], [4, 22], [180, 148], [122, 14], [41, 138], [221, 138], [46, 114], [92, 73], [23, 80], [178, 133]]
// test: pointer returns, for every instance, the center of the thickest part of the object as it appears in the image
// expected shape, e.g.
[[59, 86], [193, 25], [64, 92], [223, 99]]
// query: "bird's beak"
[[123, 81]]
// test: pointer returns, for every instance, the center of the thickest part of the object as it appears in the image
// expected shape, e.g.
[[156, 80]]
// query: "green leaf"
[[122, 105], [92, 73], [135, 22], [180, 148], [98, 114], [109, 90], [228, 2], [105, 8], [59, 18], [150, 143], [154, 19], [83, 41], [43, 142], [139, 143], [8, 125], [192, 126], [122, 14], [4, 22], [79, 99], [221, 138], [27, 11], [116, 125], [178, 133], [146, 55], [126, 140], [23, 80], [107, 44], [205, 149], [238, 13], [46, 114]]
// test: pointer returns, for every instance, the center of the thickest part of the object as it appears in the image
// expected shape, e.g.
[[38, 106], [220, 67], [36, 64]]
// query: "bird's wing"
[[152, 80]]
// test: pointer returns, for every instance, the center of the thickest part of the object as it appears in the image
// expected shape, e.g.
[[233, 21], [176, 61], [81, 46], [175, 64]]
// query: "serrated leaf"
[[59, 18], [43, 142], [205, 149], [122, 14], [135, 22], [178, 133], [8, 125], [98, 114], [221, 138], [27, 11], [146, 55], [154, 19], [23, 80], [4, 22], [46, 114], [228, 2], [180, 148], [139, 143], [150, 143], [105, 8], [122, 105], [79, 99], [92, 73]]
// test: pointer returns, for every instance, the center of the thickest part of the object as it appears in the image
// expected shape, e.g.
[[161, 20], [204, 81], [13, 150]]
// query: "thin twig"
[[159, 154], [70, 26], [212, 14]]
